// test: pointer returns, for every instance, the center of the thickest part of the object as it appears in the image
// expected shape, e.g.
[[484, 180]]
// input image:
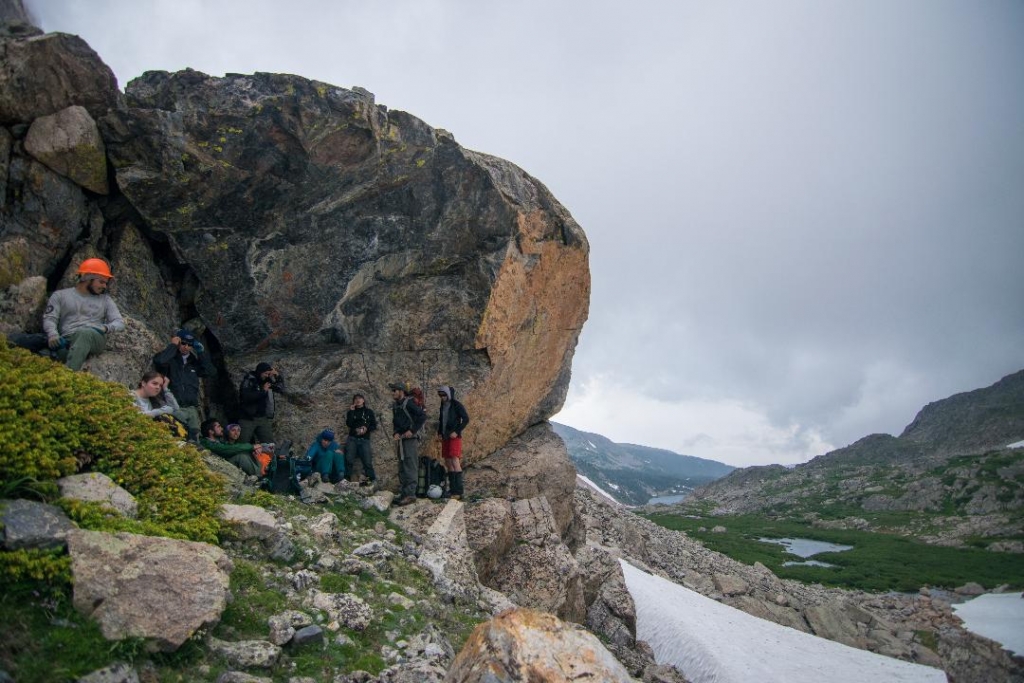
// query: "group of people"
[[78, 319]]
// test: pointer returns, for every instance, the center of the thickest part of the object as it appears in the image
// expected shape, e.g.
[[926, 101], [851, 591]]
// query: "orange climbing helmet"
[[95, 266]]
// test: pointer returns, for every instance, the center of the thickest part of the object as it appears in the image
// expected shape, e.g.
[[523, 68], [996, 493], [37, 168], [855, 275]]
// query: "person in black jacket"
[[256, 397], [361, 422], [452, 421], [184, 363], [407, 421]]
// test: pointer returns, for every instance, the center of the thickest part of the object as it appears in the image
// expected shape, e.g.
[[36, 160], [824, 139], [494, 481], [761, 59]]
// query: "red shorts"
[[451, 448]]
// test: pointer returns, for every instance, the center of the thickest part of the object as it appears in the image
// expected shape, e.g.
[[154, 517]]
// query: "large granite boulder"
[[40, 75], [353, 246], [147, 587], [70, 144], [524, 645]]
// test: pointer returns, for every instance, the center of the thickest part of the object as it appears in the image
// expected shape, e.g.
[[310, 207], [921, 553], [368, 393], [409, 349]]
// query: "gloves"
[[56, 343], [197, 346]]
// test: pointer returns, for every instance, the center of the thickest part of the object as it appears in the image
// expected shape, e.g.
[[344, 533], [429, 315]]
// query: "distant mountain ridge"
[[632, 473], [948, 478]]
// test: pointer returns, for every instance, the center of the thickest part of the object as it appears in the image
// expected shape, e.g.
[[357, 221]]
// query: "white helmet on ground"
[[434, 491]]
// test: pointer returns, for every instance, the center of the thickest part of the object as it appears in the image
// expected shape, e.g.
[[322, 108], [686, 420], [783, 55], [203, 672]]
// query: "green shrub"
[[50, 417]]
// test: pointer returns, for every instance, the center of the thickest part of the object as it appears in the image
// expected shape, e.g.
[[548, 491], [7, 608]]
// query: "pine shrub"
[[52, 418]]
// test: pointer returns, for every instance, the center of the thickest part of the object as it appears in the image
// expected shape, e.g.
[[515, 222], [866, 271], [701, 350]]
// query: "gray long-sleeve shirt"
[[68, 310]]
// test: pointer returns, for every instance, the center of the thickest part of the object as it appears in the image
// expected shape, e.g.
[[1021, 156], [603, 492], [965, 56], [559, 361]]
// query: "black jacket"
[[457, 420], [402, 422], [185, 375], [253, 400], [360, 417]]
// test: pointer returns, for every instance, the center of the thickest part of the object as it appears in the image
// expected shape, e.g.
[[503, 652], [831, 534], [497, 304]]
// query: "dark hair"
[[355, 396], [147, 376], [207, 425], [157, 401]]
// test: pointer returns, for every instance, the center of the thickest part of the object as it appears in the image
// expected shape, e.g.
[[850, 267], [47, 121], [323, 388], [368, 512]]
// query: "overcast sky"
[[806, 218]]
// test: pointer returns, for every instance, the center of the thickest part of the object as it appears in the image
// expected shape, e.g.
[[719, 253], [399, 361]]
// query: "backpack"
[[418, 434], [430, 473], [175, 426]]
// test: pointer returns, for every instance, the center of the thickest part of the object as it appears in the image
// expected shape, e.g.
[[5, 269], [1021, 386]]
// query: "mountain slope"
[[948, 478], [633, 473]]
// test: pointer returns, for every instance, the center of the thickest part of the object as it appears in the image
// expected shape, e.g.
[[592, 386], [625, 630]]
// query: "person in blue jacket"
[[327, 457]]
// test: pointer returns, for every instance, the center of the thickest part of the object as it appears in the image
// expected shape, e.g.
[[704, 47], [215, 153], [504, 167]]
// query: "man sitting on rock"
[[77, 319], [243, 455], [184, 362]]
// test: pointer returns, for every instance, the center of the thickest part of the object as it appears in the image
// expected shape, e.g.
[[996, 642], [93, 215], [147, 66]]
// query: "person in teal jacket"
[[327, 457]]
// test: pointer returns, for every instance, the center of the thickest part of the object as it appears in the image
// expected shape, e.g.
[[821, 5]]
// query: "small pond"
[[667, 500], [805, 547]]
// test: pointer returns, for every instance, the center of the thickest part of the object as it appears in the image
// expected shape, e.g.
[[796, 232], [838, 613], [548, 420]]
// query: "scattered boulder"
[[308, 634], [249, 521], [115, 673], [70, 144], [283, 625], [970, 589], [730, 584], [147, 587], [258, 654], [29, 524], [41, 75], [347, 609], [97, 487], [525, 645]]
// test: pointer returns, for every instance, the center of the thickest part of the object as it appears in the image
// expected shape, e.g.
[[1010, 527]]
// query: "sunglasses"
[[185, 343]]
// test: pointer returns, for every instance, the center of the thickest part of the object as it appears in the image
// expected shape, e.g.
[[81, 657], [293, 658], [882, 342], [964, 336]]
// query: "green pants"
[[189, 415], [82, 343]]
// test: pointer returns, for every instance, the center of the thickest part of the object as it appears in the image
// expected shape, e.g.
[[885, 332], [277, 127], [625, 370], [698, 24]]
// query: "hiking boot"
[[408, 500]]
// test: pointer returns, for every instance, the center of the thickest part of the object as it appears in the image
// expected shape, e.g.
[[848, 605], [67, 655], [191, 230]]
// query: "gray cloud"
[[813, 210]]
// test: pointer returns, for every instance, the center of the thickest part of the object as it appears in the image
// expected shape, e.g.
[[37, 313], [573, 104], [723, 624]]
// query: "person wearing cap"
[[256, 397], [77, 319], [327, 457], [184, 362], [241, 455], [407, 420], [452, 421]]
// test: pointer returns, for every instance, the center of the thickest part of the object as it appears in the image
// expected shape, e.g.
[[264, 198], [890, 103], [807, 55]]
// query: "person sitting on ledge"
[[77, 319], [241, 455], [152, 397]]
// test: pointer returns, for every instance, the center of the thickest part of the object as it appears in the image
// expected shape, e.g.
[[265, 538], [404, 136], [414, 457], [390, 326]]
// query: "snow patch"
[[713, 643], [1016, 444], [597, 489], [996, 616]]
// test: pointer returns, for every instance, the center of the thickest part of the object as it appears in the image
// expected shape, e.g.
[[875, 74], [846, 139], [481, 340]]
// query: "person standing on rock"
[[243, 455], [361, 422], [452, 421], [256, 396], [407, 420], [184, 362], [77, 319]]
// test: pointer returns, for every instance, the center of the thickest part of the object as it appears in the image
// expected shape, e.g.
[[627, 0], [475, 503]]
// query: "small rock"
[[970, 588], [239, 677], [400, 601], [719, 529], [28, 524], [247, 653], [97, 487], [309, 634], [115, 673]]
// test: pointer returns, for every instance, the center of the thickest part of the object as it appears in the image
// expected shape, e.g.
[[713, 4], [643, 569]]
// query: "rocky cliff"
[[291, 221]]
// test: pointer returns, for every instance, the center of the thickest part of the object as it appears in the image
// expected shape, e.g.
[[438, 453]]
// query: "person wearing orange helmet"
[[77, 319]]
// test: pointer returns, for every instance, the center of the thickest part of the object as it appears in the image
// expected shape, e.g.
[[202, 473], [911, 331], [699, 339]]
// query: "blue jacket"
[[316, 450]]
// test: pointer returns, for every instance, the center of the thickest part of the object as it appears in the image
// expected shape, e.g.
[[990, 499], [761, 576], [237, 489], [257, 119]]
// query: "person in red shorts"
[[453, 420]]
